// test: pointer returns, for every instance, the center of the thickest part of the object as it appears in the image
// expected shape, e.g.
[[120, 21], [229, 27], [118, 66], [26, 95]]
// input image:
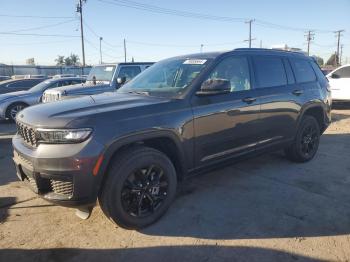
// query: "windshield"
[[101, 73], [40, 87], [168, 78]]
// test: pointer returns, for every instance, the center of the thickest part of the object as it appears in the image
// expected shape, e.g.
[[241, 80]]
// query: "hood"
[[60, 114], [13, 94], [71, 89]]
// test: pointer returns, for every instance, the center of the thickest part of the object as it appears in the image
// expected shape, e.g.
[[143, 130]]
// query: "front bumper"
[[61, 174]]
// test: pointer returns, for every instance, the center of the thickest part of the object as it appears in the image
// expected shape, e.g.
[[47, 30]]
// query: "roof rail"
[[267, 49]]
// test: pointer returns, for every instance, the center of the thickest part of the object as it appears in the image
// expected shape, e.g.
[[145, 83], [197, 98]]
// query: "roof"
[[20, 80], [270, 51], [213, 55], [65, 78]]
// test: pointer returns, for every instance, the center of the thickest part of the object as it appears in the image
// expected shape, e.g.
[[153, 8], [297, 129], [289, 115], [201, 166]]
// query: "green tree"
[[333, 60], [319, 60], [60, 60], [74, 59], [68, 61]]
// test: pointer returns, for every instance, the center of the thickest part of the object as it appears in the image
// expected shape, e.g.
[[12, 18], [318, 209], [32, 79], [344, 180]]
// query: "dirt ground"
[[263, 209]]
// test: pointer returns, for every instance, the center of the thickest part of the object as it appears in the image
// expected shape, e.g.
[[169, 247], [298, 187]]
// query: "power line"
[[104, 53], [174, 45], [39, 17], [174, 12], [97, 35], [41, 27], [157, 9], [34, 43], [30, 34], [316, 44], [289, 28]]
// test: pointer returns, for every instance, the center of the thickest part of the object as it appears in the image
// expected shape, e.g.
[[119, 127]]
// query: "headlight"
[[63, 136]]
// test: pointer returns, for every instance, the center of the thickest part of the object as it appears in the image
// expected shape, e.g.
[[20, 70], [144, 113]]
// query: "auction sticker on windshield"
[[195, 61], [109, 68]]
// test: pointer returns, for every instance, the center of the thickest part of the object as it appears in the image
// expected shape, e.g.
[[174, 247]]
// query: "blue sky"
[[152, 36]]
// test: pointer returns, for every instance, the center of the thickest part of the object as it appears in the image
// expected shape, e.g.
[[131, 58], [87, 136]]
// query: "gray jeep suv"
[[181, 116]]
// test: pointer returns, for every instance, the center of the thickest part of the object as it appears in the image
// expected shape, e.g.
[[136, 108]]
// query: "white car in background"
[[339, 80]]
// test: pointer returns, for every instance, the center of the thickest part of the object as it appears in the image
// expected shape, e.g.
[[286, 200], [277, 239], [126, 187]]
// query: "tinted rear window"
[[303, 71], [25, 83], [269, 71]]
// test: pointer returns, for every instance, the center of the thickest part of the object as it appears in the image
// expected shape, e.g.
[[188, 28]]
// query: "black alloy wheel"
[[144, 191]]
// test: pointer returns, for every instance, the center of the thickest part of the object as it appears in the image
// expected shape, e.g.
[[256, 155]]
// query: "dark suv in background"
[[181, 116], [14, 85]]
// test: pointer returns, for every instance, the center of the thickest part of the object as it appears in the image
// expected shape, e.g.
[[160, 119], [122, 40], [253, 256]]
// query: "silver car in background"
[[12, 103]]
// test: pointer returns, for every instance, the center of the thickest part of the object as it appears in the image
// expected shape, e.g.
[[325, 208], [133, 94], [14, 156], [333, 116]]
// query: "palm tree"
[[60, 60], [74, 59]]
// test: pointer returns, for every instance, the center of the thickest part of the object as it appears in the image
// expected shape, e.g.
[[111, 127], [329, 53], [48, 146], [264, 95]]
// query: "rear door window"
[[303, 71], [129, 72], [269, 71], [25, 83], [16, 84], [74, 82]]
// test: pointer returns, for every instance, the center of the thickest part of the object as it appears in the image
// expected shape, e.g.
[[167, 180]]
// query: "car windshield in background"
[[101, 73], [168, 78], [41, 86]]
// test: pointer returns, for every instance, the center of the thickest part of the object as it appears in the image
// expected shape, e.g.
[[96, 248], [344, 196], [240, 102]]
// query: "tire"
[[306, 141], [121, 194], [13, 109]]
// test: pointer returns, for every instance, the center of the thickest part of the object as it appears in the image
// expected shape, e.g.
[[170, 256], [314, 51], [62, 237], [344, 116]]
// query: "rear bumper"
[[341, 100], [65, 179]]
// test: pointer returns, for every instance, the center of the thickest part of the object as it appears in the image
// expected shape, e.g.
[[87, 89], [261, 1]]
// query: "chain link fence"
[[11, 70]]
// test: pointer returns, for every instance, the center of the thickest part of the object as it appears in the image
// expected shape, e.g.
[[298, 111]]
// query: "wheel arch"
[[14, 103], [316, 110], [165, 141]]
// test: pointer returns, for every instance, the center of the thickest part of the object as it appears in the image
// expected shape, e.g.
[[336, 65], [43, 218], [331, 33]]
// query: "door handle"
[[249, 100], [298, 92]]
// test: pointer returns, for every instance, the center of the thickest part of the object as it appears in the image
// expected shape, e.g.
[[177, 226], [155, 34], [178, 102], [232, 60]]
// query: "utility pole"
[[260, 43], [80, 10], [309, 37], [124, 50], [201, 50], [341, 54], [250, 32], [101, 50], [338, 45]]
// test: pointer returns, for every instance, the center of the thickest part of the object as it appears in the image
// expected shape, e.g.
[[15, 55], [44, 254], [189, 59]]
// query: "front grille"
[[26, 161], [33, 184], [62, 187], [28, 134]]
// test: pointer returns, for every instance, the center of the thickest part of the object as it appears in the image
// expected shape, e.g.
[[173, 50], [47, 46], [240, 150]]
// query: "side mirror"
[[121, 80], [215, 87], [335, 76]]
